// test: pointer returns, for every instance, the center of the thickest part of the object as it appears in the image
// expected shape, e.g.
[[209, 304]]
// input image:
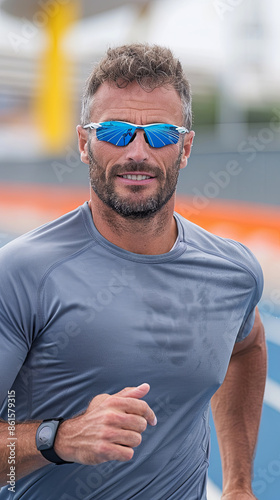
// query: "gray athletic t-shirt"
[[80, 316]]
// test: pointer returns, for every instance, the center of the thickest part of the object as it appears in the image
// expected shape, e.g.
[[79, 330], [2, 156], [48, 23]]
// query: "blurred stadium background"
[[230, 51]]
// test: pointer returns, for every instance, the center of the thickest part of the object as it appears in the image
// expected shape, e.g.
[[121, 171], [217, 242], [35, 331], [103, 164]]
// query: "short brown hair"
[[150, 66]]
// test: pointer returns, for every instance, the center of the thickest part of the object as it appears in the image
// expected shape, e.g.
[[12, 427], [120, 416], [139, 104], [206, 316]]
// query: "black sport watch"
[[45, 437]]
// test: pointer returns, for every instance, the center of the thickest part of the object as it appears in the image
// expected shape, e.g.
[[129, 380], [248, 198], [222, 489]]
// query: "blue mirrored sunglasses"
[[157, 135]]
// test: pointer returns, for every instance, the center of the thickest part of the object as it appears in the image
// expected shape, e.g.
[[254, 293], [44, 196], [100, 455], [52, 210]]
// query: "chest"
[[121, 325]]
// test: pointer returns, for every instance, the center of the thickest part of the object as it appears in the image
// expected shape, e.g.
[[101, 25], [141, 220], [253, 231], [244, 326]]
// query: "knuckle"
[[141, 424], [144, 425], [111, 418], [116, 419], [114, 401], [106, 434], [106, 419], [102, 448], [129, 452], [145, 407], [138, 439]]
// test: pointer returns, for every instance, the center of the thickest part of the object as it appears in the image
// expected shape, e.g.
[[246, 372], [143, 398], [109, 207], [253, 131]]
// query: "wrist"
[[232, 492], [62, 444], [238, 495]]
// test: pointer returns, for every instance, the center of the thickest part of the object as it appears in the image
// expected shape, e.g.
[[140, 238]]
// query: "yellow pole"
[[53, 106]]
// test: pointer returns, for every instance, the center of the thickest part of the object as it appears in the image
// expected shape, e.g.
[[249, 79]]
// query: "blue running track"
[[266, 481]]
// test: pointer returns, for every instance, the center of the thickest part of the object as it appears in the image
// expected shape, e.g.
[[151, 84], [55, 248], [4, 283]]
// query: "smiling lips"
[[136, 177]]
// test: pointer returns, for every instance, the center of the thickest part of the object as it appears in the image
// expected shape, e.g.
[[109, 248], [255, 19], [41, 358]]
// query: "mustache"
[[153, 170]]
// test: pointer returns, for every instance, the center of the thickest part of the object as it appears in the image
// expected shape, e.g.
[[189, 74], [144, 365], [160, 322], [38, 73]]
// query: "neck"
[[151, 236]]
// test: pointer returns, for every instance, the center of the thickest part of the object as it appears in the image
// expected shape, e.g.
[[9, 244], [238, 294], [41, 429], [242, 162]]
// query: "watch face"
[[45, 435]]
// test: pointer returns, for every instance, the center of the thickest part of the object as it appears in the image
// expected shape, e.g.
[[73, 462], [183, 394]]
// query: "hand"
[[108, 430]]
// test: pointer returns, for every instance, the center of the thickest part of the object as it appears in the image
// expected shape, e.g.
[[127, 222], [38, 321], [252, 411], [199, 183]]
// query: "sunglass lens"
[[116, 133], [159, 136]]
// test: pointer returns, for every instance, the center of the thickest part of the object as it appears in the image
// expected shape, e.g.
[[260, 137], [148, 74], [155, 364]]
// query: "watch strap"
[[51, 456]]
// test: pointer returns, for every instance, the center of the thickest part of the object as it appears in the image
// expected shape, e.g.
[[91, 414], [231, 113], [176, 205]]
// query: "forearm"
[[237, 410], [27, 458]]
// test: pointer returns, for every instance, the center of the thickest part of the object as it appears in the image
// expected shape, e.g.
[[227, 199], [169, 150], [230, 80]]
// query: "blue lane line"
[[215, 468]]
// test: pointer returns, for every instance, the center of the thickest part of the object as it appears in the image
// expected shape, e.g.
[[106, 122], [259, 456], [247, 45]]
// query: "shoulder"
[[41, 247], [221, 251]]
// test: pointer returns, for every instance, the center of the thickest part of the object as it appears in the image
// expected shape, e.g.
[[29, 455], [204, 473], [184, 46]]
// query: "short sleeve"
[[16, 313], [257, 289]]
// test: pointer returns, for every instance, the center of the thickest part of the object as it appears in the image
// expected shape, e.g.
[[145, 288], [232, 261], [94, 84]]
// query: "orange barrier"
[[235, 219], [43, 198]]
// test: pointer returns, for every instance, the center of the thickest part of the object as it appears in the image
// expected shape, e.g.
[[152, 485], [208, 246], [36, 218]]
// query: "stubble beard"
[[126, 207]]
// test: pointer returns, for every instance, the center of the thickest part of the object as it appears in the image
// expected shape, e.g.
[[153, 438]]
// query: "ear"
[[83, 143], [188, 142]]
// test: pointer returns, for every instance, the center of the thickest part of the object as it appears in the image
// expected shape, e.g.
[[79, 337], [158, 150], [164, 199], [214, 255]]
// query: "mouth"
[[135, 177], [139, 178]]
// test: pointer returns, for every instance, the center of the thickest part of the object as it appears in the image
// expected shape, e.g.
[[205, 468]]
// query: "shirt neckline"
[[174, 253]]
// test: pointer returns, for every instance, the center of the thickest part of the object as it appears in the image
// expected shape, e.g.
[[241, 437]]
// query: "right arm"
[[108, 430]]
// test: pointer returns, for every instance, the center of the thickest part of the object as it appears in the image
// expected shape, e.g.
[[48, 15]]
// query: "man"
[[123, 318]]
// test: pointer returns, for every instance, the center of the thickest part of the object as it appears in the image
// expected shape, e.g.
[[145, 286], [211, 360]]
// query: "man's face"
[[113, 168]]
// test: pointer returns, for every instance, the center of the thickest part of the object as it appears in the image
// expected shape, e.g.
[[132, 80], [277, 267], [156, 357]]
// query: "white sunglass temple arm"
[[92, 125]]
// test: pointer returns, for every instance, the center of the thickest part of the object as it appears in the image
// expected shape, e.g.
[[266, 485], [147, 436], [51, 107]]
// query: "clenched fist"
[[109, 429]]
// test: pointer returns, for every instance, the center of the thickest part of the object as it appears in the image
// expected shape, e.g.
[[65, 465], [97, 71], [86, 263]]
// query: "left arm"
[[236, 408]]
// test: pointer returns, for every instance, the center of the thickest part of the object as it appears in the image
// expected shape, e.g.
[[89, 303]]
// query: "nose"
[[138, 149]]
